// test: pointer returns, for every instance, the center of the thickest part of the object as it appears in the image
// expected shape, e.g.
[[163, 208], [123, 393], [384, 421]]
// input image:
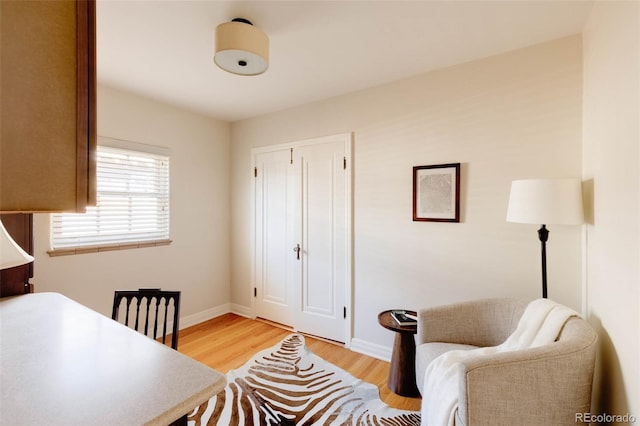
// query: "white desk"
[[62, 363]]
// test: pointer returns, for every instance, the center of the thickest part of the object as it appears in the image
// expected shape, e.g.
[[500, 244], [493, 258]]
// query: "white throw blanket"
[[539, 325]]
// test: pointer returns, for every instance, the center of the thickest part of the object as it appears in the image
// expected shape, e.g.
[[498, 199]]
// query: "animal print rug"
[[289, 385]]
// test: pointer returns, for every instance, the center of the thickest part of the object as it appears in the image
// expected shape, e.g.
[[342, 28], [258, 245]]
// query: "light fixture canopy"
[[546, 201], [241, 48], [11, 254]]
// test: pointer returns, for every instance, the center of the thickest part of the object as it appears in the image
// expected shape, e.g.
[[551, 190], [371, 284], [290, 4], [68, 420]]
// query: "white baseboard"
[[211, 313], [205, 315], [371, 349], [243, 311]]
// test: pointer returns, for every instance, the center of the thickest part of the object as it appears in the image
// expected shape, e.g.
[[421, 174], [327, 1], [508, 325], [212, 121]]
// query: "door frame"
[[347, 139]]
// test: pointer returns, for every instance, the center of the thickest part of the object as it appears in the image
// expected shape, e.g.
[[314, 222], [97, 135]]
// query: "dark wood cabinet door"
[[15, 280], [48, 105]]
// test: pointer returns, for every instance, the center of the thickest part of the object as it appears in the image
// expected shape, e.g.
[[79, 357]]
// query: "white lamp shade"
[[241, 48], [11, 254], [546, 201]]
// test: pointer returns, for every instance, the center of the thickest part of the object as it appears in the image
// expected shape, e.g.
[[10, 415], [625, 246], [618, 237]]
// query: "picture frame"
[[436, 193]]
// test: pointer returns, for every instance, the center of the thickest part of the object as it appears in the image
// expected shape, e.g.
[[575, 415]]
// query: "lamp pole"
[[543, 234]]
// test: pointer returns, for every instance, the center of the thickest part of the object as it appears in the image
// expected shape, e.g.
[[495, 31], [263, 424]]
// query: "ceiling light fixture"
[[241, 48]]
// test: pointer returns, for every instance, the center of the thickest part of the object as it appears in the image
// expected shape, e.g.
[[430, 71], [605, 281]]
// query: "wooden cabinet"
[[48, 105]]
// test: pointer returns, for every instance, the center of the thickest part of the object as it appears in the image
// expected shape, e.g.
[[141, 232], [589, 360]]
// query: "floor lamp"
[[11, 254], [546, 202]]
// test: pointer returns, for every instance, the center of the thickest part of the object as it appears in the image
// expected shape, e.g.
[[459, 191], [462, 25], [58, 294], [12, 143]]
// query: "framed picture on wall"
[[436, 193]]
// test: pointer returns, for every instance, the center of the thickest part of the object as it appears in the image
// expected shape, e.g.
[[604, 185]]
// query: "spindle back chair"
[[150, 302]]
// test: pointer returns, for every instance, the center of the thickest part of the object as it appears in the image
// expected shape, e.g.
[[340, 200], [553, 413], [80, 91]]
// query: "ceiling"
[[319, 49]]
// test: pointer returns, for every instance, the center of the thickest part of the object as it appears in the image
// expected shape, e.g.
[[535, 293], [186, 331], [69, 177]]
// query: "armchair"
[[547, 385]]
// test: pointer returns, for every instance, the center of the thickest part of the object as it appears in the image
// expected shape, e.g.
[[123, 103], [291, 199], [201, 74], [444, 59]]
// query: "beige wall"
[[197, 263], [512, 116], [611, 166]]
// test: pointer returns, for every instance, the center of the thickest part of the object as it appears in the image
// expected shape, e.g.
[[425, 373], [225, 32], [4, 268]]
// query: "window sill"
[[107, 247]]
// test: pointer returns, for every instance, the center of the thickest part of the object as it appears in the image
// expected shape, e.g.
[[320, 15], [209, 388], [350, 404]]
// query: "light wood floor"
[[228, 341]]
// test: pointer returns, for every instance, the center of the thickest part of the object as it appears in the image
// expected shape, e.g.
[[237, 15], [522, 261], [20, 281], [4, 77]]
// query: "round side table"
[[402, 371]]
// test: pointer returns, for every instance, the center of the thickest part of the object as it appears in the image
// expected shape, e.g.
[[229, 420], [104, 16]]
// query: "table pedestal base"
[[402, 376]]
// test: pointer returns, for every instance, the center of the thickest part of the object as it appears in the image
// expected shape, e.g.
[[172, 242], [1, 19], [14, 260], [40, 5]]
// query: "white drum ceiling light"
[[241, 48]]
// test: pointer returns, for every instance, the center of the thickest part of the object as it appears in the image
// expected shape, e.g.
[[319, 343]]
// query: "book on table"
[[402, 317]]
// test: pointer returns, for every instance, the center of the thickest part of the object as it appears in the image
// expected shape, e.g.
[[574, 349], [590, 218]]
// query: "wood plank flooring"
[[228, 341]]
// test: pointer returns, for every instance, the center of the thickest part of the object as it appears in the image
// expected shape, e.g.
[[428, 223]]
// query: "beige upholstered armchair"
[[545, 385]]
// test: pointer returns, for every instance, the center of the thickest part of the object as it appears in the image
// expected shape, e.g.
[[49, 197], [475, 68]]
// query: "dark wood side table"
[[402, 371]]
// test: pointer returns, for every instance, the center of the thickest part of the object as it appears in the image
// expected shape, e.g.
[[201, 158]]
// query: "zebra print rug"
[[289, 385]]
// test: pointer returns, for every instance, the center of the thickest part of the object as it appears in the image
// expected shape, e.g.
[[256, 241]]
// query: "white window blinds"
[[132, 203]]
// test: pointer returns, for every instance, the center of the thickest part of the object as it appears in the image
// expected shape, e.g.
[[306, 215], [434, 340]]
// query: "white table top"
[[63, 363]]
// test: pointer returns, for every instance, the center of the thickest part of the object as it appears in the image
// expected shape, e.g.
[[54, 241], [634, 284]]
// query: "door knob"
[[297, 250]]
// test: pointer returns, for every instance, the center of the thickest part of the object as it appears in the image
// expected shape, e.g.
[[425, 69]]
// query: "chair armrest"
[[544, 385], [486, 322]]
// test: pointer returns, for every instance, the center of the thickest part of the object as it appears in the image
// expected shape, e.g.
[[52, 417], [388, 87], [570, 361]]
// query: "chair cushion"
[[427, 352]]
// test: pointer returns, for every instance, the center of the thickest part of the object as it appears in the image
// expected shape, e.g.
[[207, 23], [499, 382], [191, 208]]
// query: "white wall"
[[611, 165], [512, 116], [197, 262]]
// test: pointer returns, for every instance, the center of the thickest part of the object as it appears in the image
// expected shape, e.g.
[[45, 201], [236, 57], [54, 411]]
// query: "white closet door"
[[274, 263], [303, 247], [321, 227]]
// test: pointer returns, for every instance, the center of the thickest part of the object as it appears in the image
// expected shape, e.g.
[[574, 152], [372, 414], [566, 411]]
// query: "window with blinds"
[[132, 204]]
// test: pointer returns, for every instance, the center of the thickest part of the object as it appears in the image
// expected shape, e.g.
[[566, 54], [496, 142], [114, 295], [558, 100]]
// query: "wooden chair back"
[[150, 306]]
